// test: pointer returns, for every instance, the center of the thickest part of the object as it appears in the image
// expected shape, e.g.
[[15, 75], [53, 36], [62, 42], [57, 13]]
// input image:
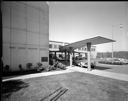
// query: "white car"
[[84, 63]]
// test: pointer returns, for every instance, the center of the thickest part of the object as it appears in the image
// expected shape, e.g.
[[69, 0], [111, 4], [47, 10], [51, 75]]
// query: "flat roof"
[[93, 41], [58, 42]]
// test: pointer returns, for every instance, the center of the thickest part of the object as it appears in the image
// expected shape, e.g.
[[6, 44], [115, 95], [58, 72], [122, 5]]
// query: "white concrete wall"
[[25, 33]]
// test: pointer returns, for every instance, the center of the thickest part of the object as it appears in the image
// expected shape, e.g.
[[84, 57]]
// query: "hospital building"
[[25, 34]]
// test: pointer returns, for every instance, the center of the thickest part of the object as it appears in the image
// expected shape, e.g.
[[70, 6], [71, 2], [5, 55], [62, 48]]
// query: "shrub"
[[29, 65], [20, 67], [6, 68], [51, 67], [40, 67], [61, 66], [39, 64]]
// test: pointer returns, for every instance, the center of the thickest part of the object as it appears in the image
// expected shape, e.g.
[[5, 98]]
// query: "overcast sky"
[[75, 21]]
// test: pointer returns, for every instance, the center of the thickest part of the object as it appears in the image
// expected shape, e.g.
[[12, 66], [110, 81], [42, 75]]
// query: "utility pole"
[[112, 39]]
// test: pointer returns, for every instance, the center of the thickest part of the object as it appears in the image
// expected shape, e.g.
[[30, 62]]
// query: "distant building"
[[55, 45], [25, 34]]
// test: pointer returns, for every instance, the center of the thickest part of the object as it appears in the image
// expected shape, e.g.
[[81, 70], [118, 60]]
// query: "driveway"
[[113, 68]]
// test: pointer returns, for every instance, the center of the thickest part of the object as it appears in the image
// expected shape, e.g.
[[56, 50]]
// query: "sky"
[[75, 21]]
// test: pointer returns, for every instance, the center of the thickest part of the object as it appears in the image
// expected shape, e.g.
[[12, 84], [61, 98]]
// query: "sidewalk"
[[112, 75], [39, 75]]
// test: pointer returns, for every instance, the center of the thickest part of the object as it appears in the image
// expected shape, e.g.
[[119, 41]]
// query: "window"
[[92, 49], [55, 46], [85, 49], [50, 45], [79, 48], [44, 59]]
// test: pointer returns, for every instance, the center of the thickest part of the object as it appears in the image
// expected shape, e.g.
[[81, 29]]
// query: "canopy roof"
[[93, 41]]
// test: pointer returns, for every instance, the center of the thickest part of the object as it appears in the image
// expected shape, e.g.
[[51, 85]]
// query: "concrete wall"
[[25, 33]]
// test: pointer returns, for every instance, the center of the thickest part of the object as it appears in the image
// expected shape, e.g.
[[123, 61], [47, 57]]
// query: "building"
[[55, 45], [83, 51], [54, 49], [25, 27]]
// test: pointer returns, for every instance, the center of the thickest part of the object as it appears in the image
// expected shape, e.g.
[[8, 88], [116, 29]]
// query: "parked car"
[[84, 63]]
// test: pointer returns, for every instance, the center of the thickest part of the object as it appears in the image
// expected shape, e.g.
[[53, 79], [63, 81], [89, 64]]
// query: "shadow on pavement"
[[101, 68], [8, 87], [18, 73]]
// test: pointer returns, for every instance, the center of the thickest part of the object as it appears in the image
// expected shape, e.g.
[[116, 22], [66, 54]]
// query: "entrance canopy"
[[93, 41], [88, 43]]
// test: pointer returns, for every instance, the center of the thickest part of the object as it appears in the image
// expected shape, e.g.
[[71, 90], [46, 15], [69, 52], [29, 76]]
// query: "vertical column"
[[68, 56], [89, 60], [71, 54], [65, 56], [55, 55], [85, 55], [71, 59]]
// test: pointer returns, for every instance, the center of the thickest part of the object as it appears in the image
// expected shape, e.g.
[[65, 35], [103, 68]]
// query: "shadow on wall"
[[11, 86]]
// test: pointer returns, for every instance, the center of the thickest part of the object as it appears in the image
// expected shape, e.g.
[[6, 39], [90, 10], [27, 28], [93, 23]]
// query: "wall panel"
[[22, 57], [6, 54], [32, 38], [32, 56], [14, 59], [18, 36], [6, 35], [32, 19], [6, 14]]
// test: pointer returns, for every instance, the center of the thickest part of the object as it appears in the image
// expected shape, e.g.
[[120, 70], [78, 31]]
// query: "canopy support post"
[[89, 59], [71, 59], [71, 54]]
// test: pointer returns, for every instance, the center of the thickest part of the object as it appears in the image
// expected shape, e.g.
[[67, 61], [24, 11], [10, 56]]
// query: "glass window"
[[93, 49], [85, 49], [55, 46], [79, 48], [50, 45]]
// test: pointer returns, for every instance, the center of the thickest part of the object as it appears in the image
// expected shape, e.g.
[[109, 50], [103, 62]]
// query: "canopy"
[[93, 41]]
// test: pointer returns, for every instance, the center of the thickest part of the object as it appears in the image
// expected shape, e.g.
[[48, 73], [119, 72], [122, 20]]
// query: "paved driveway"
[[113, 68]]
